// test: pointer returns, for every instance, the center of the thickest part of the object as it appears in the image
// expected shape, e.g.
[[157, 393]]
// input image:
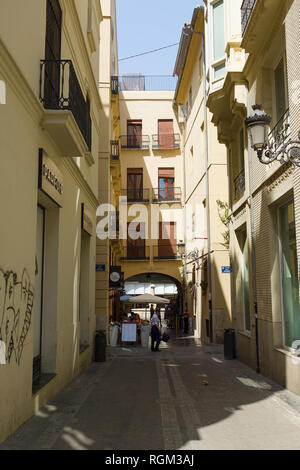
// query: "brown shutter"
[[165, 134], [166, 172]]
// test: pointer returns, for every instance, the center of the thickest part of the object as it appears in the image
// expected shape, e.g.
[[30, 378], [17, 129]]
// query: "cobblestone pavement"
[[185, 397]]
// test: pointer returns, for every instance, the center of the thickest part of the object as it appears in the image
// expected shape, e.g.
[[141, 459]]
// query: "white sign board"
[[128, 331]]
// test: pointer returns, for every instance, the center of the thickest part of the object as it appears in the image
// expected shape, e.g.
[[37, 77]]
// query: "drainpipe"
[[253, 253]]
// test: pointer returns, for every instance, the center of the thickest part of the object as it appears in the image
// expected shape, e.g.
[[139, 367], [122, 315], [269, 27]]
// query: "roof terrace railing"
[[140, 82]]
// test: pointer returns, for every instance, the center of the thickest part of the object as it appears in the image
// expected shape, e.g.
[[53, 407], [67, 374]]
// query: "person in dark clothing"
[[151, 311], [155, 333]]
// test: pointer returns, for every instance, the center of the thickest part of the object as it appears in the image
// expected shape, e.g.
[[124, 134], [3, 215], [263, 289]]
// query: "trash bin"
[[229, 343], [114, 332], [145, 332], [100, 346]]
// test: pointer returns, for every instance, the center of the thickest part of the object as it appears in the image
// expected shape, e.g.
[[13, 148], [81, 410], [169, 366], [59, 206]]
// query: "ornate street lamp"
[[279, 149]]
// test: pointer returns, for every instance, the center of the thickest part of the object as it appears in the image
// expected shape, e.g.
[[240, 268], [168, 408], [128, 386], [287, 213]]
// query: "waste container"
[[145, 332], [229, 343], [100, 346], [114, 332]]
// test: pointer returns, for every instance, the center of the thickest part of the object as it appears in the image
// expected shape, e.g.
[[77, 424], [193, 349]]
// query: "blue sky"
[[144, 25]]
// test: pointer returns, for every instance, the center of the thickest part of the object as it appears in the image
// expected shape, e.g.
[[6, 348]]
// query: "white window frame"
[[214, 63]]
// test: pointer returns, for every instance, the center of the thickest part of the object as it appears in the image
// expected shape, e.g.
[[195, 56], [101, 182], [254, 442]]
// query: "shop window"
[[84, 290], [38, 303], [289, 274]]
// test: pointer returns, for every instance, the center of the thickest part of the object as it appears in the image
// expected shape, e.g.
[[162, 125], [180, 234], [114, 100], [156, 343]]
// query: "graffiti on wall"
[[16, 309]]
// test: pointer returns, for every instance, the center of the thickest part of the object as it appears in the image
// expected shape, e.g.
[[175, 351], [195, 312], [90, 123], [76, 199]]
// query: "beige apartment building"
[[151, 180], [205, 190], [261, 59], [49, 143]]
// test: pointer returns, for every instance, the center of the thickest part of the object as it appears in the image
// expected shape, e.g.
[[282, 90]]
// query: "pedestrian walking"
[[155, 332], [151, 311]]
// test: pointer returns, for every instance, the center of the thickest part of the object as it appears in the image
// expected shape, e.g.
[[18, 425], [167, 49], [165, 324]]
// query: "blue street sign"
[[226, 269]]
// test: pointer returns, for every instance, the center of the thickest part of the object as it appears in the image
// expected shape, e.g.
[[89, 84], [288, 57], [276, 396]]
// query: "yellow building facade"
[[264, 242], [151, 179], [49, 143], [205, 190]]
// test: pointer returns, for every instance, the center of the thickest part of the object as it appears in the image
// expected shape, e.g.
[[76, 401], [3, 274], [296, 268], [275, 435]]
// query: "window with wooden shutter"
[[135, 184], [166, 181], [165, 134]]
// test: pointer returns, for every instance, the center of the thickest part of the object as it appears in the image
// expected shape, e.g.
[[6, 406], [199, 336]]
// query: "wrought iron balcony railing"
[[135, 252], [246, 11], [60, 89], [166, 251], [136, 195], [114, 150], [168, 194], [239, 185], [165, 141], [280, 133], [135, 142]]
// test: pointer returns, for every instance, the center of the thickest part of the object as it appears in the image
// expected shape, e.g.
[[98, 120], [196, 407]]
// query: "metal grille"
[[246, 11], [60, 89]]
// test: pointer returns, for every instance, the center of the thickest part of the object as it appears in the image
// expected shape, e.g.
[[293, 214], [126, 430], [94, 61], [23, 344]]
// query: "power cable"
[[149, 52]]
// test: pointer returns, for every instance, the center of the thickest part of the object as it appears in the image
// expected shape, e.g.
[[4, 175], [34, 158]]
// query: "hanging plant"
[[203, 285], [223, 211]]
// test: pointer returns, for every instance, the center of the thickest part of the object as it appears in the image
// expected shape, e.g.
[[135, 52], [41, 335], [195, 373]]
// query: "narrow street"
[[186, 397]]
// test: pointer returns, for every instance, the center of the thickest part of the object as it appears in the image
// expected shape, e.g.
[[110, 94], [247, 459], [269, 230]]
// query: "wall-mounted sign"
[[50, 178], [226, 269], [86, 220], [115, 276], [100, 268]]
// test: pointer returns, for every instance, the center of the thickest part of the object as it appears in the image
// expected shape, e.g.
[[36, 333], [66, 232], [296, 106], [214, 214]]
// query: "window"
[[245, 279], [134, 134], [280, 90], [167, 243], [218, 52], [52, 52], [136, 240], [165, 133], [166, 184], [219, 30], [190, 99], [135, 184], [289, 274]]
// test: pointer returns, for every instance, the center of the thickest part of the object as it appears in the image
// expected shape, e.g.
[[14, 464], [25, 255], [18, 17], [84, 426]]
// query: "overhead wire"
[[149, 52]]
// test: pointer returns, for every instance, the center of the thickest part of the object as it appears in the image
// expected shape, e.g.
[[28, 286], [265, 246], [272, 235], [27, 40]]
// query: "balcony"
[[239, 185], [169, 194], [135, 142], [166, 251], [280, 133], [67, 117], [165, 141], [246, 11], [135, 253], [136, 195], [114, 150]]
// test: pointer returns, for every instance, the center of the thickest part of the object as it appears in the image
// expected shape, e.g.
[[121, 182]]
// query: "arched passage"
[[158, 284]]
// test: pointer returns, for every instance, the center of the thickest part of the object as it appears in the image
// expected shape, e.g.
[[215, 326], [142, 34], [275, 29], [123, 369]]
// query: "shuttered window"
[[165, 133]]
